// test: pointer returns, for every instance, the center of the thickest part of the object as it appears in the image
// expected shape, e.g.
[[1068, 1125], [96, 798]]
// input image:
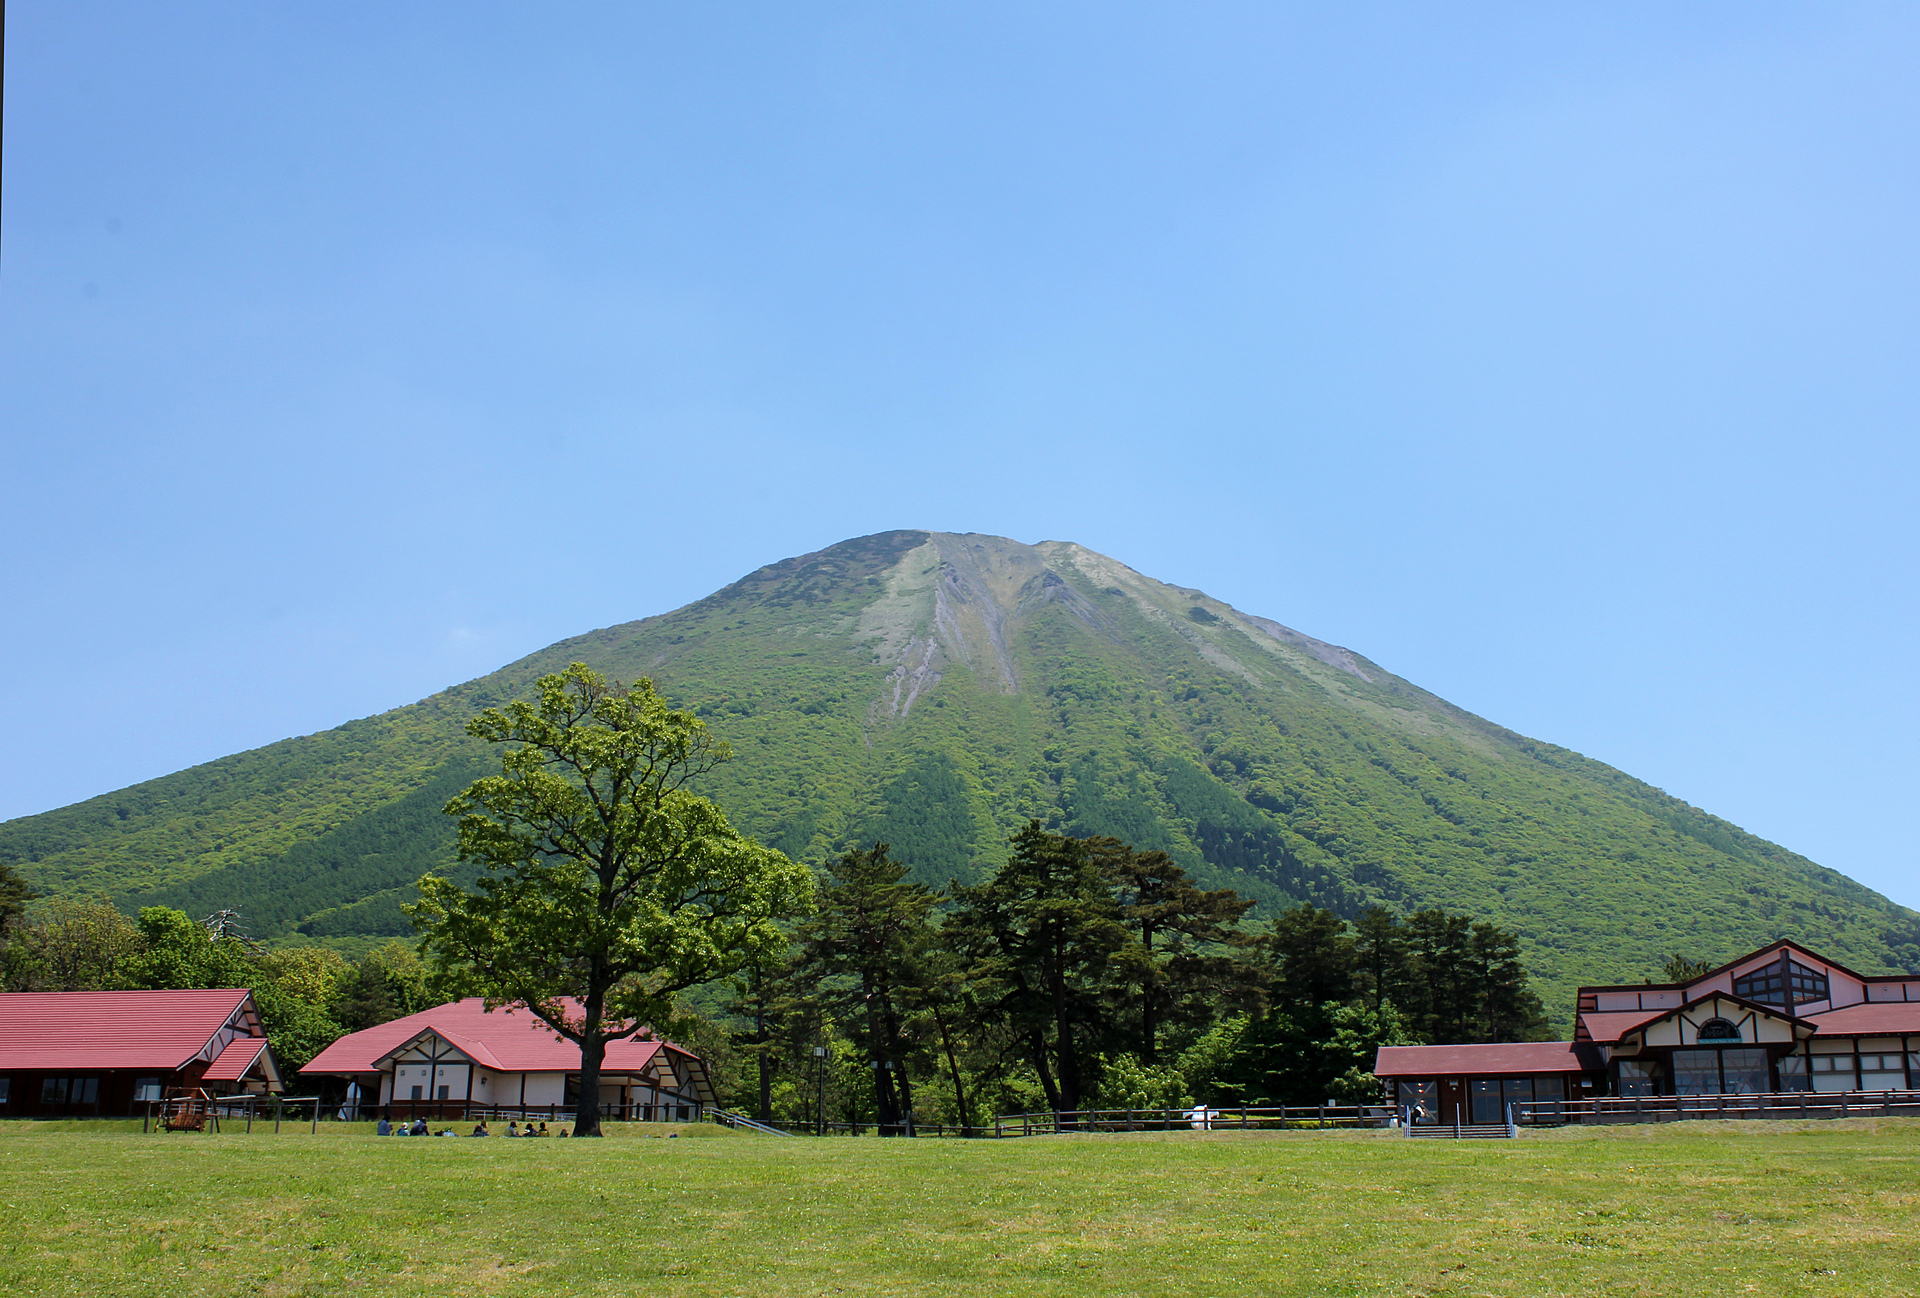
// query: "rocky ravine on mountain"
[[937, 690]]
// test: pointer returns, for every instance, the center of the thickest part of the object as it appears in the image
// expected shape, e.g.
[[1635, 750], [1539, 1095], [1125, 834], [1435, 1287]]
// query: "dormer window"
[[1718, 1030], [1786, 982]]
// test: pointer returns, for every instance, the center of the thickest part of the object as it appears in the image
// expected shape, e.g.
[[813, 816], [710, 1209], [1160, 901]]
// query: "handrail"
[[727, 1118]]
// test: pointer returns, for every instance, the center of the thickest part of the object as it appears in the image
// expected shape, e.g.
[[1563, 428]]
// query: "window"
[[1639, 1077], [1548, 1092], [1421, 1095], [6, 1084], [1883, 1073], [1832, 1072], [146, 1090], [1486, 1102], [416, 1093], [1696, 1072], [1719, 1030], [1793, 1074], [443, 1092], [1797, 986], [1516, 1093], [68, 1092], [1744, 1072]]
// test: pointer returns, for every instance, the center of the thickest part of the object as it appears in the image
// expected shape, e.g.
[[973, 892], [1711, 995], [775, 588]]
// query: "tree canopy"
[[607, 886]]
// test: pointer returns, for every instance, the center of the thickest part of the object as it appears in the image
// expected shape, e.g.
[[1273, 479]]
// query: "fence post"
[[316, 1115], [278, 1104]]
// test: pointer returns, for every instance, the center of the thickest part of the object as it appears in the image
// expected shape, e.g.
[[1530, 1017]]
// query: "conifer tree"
[[874, 928], [1039, 939], [1183, 965]]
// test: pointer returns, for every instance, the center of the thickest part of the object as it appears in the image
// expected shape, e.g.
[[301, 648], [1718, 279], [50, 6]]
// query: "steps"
[[1482, 1131]]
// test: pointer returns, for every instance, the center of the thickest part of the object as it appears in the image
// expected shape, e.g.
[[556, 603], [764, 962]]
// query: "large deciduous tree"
[[608, 885]]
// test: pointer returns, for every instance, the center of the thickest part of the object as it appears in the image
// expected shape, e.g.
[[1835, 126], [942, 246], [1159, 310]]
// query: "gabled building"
[[108, 1054], [1779, 1020], [460, 1058]]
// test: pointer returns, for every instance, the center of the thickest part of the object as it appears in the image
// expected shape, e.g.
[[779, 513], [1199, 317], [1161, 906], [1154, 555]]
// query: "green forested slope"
[[937, 690]]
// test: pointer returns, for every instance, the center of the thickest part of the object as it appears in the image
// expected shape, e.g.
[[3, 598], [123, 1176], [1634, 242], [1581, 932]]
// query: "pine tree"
[[875, 928], [1039, 941], [1181, 965]]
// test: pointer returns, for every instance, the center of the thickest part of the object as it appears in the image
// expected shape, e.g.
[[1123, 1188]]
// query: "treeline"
[[308, 996], [1086, 973]]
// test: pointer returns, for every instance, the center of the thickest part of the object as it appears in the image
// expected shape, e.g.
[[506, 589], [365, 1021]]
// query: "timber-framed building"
[[1780, 1020]]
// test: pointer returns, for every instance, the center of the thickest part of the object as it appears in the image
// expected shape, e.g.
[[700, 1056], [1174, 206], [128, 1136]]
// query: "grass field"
[[1695, 1208]]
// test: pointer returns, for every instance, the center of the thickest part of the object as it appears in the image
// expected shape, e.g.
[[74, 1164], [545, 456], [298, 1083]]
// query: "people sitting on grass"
[[480, 1128], [513, 1128], [419, 1128], [543, 1128], [384, 1128]]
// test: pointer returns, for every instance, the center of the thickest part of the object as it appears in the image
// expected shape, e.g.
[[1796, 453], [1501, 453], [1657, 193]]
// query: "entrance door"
[[1453, 1100]]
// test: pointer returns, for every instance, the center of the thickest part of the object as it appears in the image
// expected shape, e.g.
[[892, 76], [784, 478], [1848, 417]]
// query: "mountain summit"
[[937, 690]]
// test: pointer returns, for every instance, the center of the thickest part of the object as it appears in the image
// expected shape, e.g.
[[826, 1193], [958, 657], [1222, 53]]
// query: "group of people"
[[515, 1129], [419, 1128]]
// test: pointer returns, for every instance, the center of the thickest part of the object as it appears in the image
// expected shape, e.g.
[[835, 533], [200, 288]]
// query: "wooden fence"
[[1684, 1108]]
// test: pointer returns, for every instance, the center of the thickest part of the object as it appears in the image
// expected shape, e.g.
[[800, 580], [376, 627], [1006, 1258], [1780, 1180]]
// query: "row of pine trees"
[[1083, 974]]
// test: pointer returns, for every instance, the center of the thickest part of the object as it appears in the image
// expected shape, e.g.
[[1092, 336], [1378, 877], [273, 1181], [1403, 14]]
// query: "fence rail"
[[1682, 1108], [1241, 1118]]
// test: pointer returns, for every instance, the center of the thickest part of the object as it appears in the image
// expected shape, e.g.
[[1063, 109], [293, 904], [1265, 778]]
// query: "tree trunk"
[[1038, 1045], [1149, 1003], [886, 1108], [766, 1065], [953, 1067], [1063, 1031], [593, 1052]]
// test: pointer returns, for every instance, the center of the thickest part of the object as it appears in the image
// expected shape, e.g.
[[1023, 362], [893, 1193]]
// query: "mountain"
[[936, 690]]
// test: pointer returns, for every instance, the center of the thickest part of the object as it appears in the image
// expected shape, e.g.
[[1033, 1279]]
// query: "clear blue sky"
[[1561, 358]]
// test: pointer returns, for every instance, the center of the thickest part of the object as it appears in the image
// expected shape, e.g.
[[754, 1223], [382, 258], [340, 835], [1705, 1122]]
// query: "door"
[[1453, 1100]]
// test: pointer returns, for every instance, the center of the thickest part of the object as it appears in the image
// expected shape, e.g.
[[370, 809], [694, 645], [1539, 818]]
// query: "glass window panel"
[[1883, 1081], [5, 1085], [1793, 1074], [1745, 1072], [1696, 1072], [53, 1090], [1486, 1102], [1637, 1077], [1424, 1096]]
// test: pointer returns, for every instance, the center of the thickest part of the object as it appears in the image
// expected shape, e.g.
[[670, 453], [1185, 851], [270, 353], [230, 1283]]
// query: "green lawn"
[[1698, 1208]]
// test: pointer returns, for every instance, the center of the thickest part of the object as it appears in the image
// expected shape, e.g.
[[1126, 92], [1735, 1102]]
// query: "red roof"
[[507, 1040], [233, 1062], [1872, 1017], [1487, 1060], [161, 1030], [1609, 1026]]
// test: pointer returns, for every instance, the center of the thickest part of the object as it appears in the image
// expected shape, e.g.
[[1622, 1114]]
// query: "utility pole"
[[820, 1059]]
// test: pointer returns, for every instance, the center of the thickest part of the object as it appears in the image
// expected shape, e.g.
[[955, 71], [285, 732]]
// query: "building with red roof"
[[463, 1058], [1778, 1020], [102, 1054]]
